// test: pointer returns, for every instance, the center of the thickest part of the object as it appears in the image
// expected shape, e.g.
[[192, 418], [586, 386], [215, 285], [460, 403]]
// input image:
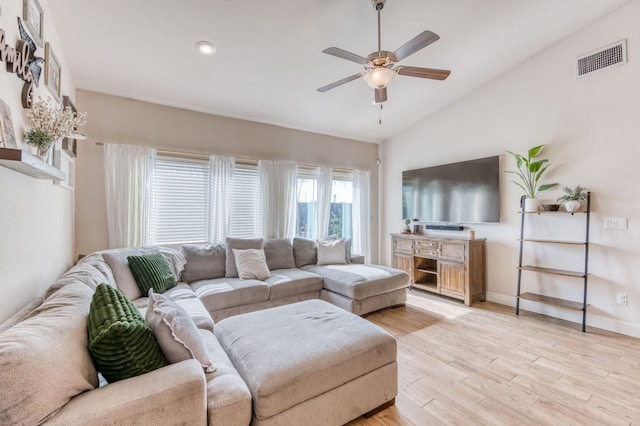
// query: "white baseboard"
[[614, 325]]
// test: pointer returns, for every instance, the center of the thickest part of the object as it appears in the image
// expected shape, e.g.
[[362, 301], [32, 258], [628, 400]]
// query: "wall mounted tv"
[[464, 192]]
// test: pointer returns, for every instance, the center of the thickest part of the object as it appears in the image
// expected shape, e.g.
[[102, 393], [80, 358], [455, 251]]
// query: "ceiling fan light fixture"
[[379, 77]]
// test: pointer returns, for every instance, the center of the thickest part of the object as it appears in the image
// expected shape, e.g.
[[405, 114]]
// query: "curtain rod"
[[239, 160]]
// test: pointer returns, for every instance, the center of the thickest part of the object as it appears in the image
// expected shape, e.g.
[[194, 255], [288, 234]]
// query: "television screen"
[[464, 192]]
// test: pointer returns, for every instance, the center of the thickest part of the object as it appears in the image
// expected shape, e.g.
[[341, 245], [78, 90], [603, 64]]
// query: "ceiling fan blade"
[[380, 95], [432, 73], [346, 55], [340, 82], [420, 41]]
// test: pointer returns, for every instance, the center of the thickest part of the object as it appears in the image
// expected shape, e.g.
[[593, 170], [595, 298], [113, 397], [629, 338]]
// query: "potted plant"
[[407, 229], [50, 123], [530, 171], [572, 197]]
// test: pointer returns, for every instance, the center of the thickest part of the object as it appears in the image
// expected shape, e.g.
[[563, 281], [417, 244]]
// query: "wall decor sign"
[[17, 60], [52, 72], [34, 19], [6, 126]]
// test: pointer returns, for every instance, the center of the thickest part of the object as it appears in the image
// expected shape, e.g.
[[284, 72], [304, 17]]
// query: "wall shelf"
[[30, 165], [584, 275]]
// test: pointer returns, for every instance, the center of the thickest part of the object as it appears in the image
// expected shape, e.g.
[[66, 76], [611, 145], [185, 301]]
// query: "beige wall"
[[592, 126], [36, 216], [119, 120]]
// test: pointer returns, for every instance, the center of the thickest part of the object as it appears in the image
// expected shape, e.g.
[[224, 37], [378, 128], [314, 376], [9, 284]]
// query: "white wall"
[[114, 119], [592, 128], [36, 216]]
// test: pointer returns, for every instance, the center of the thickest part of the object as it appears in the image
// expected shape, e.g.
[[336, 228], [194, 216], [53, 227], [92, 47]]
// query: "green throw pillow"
[[152, 271], [120, 341]]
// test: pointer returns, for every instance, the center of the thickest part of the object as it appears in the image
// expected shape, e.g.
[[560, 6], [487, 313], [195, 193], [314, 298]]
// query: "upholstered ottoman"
[[362, 288], [311, 363]]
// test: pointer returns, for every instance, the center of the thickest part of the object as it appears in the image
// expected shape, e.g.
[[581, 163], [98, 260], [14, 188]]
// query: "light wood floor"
[[485, 365]]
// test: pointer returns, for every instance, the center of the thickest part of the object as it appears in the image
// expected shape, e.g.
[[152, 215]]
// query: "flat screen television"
[[464, 192]]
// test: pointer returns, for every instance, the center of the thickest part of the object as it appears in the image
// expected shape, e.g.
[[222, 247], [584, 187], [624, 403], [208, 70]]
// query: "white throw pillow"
[[176, 332], [332, 252], [251, 264]]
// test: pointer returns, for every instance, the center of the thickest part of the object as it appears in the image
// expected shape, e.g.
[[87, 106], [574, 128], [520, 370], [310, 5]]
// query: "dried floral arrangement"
[[50, 123]]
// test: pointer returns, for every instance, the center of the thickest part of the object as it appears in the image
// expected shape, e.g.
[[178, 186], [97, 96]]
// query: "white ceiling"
[[269, 59]]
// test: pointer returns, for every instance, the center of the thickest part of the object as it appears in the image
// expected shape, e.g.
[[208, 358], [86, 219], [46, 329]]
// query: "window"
[[245, 202], [340, 219], [340, 209], [307, 202], [179, 200]]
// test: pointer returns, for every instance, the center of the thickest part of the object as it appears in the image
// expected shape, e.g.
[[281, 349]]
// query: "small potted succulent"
[[407, 229], [572, 197], [530, 171]]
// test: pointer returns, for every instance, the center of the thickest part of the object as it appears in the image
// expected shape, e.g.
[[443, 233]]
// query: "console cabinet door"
[[451, 279], [403, 262]]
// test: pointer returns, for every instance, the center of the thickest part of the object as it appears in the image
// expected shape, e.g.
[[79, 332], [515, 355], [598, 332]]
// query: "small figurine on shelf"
[[406, 229]]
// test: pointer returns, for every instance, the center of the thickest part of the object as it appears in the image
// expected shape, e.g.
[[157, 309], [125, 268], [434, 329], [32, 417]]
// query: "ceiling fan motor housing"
[[378, 4]]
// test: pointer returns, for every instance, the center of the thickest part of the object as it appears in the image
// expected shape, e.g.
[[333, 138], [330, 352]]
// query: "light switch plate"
[[615, 223]]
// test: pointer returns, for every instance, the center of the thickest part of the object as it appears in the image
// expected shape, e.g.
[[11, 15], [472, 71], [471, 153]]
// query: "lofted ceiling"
[[269, 59]]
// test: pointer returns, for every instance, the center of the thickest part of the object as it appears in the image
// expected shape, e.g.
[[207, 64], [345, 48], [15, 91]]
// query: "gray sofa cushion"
[[291, 282], [305, 251], [220, 293], [332, 347], [360, 281], [240, 244], [44, 360], [279, 253], [203, 262]]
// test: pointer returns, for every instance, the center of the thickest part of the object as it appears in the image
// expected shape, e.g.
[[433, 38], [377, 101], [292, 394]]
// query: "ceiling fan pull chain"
[[380, 115]]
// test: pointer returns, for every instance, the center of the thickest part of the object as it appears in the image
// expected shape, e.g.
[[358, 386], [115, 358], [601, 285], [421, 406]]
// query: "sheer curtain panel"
[[324, 201], [278, 181], [361, 214], [220, 192], [128, 172]]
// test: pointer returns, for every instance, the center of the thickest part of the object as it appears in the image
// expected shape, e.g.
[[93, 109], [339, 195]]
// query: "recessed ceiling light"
[[206, 48]]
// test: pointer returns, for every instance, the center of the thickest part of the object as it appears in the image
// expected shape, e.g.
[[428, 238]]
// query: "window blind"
[[180, 200], [245, 202]]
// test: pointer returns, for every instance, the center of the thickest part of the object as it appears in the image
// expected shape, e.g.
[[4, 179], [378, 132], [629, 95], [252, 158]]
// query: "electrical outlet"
[[621, 298], [615, 223]]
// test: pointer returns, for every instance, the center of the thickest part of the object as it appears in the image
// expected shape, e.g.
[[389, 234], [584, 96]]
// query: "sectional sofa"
[[48, 375]]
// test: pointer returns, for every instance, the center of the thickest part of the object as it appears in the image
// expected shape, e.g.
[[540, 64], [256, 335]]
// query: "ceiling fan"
[[380, 67]]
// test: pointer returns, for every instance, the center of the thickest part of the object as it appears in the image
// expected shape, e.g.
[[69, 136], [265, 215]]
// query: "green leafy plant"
[[576, 194], [530, 171], [406, 221], [39, 138]]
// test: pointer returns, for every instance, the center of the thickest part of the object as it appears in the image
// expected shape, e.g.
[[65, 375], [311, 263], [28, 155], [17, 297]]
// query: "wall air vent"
[[614, 54]]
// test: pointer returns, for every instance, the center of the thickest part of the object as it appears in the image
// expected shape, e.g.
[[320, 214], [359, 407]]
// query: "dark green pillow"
[[152, 271], [120, 341]]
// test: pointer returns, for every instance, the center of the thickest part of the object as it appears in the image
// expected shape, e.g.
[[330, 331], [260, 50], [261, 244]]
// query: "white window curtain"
[[278, 198], [220, 192], [361, 214], [128, 171], [324, 201]]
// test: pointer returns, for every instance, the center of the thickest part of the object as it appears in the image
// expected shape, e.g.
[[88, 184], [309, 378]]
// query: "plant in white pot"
[[572, 197], [407, 229], [530, 171]]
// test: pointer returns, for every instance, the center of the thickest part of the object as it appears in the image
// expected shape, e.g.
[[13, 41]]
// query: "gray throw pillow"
[[204, 262], [240, 244], [347, 246], [305, 252], [279, 253]]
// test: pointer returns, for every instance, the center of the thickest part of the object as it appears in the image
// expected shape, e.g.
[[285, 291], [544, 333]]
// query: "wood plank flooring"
[[484, 365]]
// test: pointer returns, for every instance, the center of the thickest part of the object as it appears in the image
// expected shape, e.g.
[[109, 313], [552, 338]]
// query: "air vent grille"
[[607, 56]]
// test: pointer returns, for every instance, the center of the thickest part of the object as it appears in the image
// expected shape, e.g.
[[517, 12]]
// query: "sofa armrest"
[[357, 258], [174, 394]]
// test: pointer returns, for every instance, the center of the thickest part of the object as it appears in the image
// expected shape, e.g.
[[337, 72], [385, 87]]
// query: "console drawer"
[[452, 250]]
